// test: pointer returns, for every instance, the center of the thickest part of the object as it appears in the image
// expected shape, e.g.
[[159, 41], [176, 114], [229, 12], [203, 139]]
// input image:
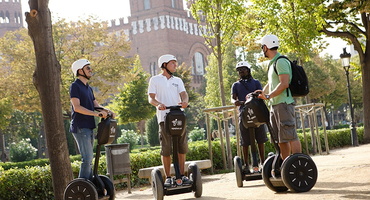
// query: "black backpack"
[[298, 86], [254, 112]]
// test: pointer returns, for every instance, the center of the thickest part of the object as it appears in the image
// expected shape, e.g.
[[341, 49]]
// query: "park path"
[[343, 174]]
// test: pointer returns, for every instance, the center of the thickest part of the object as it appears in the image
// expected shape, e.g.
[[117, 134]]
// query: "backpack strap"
[[287, 92]]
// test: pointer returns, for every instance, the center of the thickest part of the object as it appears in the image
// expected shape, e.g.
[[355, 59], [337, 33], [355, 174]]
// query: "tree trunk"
[[141, 127], [366, 93], [46, 79]]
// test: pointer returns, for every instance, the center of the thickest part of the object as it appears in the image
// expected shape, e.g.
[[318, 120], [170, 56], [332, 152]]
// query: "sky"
[[105, 10], [72, 10]]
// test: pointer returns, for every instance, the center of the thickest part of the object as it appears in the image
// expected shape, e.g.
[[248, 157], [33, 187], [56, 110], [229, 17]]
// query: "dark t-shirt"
[[86, 96], [243, 87]]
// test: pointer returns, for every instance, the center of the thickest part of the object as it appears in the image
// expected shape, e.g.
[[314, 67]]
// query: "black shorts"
[[260, 134]]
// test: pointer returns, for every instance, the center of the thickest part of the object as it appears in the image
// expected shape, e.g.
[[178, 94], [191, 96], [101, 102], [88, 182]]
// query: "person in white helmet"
[[282, 115], [83, 122], [164, 90], [247, 84]]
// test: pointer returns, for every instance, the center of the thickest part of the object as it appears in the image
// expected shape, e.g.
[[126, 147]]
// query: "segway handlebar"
[[100, 109]]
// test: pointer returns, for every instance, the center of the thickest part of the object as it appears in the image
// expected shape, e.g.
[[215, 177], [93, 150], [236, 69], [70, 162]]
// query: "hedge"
[[32, 180]]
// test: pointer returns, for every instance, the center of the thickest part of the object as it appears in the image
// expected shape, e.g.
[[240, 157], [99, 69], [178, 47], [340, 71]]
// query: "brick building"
[[158, 27], [11, 17]]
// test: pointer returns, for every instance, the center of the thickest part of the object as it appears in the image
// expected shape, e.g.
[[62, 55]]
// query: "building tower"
[[11, 17], [158, 27]]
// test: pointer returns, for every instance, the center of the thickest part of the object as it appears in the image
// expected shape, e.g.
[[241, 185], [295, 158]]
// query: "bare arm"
[[284, 84], [235, 100], [184, 99]]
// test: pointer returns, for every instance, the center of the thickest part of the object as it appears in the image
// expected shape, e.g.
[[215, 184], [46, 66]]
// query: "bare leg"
[[261, 151], [182, 159], [288, 148], [284, 150], [296, 146], [166, 161]]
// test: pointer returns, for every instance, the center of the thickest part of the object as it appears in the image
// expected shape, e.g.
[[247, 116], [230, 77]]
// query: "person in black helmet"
[[83, 122], [168, 90], [247, 84]]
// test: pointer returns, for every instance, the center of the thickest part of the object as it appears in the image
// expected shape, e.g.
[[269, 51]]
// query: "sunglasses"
[[88, 67]]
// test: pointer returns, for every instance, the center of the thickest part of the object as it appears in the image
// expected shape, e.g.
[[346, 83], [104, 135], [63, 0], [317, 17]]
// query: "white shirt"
[[167, 91]]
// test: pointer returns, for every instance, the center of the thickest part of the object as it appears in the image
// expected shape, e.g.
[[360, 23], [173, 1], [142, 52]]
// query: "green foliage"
[[212, 98], [152, 129], [27, 183], [130, 103], [22, 151], [128, 136], [196, 134]]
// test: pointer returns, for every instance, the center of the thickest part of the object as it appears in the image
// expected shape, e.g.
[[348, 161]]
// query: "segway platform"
[[297, 172]]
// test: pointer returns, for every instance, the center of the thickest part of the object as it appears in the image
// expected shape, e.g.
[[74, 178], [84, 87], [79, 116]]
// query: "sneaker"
[[256, 169], [246, 170], [168, 182], [186, 181]]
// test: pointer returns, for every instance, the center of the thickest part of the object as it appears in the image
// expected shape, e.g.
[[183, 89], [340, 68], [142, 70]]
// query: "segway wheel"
[[109, 187], [157, 184], [266, 175], [80, 189], [299, 172], [195, 175], [238, 171]]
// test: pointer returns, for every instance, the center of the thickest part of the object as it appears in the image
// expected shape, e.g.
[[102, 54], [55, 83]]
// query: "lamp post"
[[346, 57]]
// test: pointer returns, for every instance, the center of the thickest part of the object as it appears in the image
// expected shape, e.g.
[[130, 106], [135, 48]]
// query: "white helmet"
[[243, 64], [270, 41], [165, 59], [79, 64]]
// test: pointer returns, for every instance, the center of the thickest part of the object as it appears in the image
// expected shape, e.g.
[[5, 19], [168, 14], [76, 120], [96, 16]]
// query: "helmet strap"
[[168, 71], [83, 75]]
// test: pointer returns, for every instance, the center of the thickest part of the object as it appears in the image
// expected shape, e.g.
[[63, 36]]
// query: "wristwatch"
[[267, 96]]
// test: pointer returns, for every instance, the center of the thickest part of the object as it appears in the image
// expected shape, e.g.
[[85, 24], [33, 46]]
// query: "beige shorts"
[[282, 118], [166, 142]]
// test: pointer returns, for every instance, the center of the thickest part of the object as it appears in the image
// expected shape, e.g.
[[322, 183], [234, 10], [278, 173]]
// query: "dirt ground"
[[343, 174]]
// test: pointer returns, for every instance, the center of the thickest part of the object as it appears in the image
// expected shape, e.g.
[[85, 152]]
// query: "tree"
[[131, 103], [47, 82], [222, 20], [350, 21]]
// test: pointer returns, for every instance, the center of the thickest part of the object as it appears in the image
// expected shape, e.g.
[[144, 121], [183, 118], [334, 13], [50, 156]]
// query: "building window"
[[198, 64], [146, 4], [153, 69], [174, 3]]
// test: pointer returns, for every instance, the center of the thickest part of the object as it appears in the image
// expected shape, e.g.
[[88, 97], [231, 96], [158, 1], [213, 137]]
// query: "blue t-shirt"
[[244, 87], [86, 96]]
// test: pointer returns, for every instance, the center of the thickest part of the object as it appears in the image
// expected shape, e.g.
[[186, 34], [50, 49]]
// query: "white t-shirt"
[[167, 91]]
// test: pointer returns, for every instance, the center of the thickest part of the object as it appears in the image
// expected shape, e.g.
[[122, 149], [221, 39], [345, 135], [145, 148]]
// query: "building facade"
[[11, 17], [158, 27]]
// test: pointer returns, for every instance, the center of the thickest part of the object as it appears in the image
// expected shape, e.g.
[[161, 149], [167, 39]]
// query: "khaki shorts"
[[166, 142], [282, 118]]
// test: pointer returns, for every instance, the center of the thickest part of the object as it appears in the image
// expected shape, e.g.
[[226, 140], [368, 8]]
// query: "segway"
[[174, 124], [297, 172], [240, 175], [100, 187]]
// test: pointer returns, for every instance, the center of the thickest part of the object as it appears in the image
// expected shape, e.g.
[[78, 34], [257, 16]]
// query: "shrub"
[[128, 136], [22, 151], [196, 134], [152, 129]]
